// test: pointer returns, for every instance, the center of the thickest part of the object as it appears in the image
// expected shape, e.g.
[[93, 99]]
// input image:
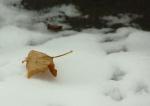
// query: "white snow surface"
[[110, 69]]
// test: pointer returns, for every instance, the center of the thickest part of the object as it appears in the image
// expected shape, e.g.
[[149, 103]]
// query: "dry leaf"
[[54, 27], [37, 62]]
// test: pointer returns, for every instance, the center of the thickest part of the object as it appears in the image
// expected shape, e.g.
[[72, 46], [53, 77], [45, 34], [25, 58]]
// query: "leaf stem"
[[63, 54]]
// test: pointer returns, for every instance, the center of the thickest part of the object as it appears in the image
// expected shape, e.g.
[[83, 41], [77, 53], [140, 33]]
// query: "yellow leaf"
[[38, 62]]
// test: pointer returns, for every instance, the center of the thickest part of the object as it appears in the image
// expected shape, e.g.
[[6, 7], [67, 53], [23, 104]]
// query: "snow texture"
[[105, 69], [124, 19]]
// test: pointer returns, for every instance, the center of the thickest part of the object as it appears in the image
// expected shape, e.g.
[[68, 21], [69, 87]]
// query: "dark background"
[[96, 8]]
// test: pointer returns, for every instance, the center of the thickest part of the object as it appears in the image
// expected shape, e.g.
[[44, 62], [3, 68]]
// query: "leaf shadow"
[[45, 76]]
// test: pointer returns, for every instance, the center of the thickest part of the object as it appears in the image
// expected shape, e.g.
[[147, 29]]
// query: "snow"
[[69, 10], [124, 19], [107, 69]]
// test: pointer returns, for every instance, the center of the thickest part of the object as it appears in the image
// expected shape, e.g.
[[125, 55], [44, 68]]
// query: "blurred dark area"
[[96, 8]]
